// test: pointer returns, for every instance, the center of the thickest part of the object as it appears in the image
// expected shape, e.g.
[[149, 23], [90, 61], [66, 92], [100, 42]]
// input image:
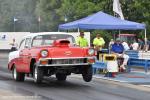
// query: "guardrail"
[[136, 62], [138, 59]]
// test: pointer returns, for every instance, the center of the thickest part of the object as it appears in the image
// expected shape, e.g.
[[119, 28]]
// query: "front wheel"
[[61, 77], [87, 73], [18, 76], [37, 74]]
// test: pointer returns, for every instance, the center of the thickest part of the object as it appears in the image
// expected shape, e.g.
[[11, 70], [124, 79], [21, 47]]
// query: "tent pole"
[[119, 33], [114, 35], [145, 40]]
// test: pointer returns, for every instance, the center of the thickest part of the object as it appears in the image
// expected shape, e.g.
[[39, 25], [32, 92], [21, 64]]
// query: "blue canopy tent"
[[101, 20]]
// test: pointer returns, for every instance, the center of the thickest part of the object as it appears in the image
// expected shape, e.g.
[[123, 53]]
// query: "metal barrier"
[[136, 62], [99, 65]]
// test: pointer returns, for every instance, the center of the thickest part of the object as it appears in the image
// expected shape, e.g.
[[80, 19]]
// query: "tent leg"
[[78, 30], [119, 34], [146, 47]]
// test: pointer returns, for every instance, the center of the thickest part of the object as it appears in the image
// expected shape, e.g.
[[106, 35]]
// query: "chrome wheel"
[[14, 74], [37, 74]]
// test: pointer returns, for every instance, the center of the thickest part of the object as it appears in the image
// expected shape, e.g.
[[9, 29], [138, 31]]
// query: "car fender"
[[12, 59]]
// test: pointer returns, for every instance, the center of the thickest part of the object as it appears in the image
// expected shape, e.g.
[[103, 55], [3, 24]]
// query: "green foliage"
[[47, 10], [54, 12]]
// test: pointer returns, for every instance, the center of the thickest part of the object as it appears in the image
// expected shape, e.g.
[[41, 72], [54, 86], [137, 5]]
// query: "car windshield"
[[41, 40]]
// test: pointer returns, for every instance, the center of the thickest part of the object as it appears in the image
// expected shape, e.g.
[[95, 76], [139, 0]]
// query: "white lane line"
[[145, 86]]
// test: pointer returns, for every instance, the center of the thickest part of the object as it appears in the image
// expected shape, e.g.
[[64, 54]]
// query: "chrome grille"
[[69, 61]]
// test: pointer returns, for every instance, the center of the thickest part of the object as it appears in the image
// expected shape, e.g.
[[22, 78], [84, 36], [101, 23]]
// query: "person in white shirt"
[[125, 45], [111, 43], [135, 45]]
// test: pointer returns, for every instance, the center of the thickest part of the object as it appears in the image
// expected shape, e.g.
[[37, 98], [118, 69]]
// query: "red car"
[[45, 54]]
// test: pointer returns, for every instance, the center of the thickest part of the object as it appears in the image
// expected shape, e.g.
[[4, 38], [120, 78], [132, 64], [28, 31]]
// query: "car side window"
[[28, 43], [22, 44], [37, 41]]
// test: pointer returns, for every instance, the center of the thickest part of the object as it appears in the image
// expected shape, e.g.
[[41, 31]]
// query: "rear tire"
[[37, 74], [18, 76], [87, 73], [61, 77]]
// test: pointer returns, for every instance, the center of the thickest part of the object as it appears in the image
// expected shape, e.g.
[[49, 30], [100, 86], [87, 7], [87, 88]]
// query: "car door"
[[26, 55], [19, 63]]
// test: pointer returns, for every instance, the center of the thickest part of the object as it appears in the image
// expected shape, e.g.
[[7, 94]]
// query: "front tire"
[[87, 73], [61, 77], [37, 74], [18, 76]]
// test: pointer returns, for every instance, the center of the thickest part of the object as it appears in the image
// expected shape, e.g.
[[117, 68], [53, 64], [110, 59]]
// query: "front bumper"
[[78, 61]]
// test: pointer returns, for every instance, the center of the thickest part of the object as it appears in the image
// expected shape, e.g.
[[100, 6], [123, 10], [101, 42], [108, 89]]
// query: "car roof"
[[45, 33]]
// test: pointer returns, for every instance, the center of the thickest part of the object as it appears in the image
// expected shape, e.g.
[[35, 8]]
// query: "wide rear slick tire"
[[18, 76], [61, 77], [37, 74], [87, 73]]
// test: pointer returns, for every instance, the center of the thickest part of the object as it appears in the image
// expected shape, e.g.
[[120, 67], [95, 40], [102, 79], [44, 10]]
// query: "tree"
[[23, 10], [54, 12], [46, 9]]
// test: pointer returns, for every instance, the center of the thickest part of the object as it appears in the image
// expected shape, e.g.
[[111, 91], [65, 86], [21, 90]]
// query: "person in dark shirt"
[[141, 44], [118, 49]]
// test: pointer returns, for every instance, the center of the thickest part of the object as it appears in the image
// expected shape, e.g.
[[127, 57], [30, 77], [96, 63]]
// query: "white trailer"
[[7, 37]]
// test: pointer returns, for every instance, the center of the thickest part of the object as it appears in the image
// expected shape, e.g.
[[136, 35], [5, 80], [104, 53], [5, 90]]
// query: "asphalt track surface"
[[73, 89]]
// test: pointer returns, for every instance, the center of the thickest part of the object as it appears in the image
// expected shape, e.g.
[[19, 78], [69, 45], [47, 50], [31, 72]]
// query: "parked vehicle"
[[46, 54], [129, 38]]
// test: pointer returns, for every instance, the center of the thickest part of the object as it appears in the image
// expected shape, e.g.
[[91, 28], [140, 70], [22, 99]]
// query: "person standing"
[[81, 41], [135, 45], [110, 44], [14, 45], [141, 44], [98, 43]]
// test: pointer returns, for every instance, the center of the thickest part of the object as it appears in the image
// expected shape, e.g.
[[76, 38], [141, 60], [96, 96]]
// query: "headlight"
[[44, 53], [91, 51]]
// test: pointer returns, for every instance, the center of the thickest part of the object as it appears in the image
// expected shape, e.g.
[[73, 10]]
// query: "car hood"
[[59, 52]]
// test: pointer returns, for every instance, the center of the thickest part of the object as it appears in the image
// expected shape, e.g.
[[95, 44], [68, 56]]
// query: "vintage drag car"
[[45, 54]]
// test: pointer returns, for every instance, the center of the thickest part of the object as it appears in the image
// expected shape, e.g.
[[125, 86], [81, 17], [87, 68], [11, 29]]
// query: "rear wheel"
[[61, 77], [37, 74], [87, 73], [18, 76]]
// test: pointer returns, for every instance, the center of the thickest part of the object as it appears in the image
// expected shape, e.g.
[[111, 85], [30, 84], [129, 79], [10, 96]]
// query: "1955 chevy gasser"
[[43, 54]]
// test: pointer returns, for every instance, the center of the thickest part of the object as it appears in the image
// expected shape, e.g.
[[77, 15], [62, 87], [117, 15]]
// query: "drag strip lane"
[[73, 89]]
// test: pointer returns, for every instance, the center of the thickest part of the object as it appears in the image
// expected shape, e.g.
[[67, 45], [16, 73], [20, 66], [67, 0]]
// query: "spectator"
[[135, 45], [81, 41], [14, 45], [118, 49], [98, 43], [125, 45], [146, 46], [111, 43], [141, 44]]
